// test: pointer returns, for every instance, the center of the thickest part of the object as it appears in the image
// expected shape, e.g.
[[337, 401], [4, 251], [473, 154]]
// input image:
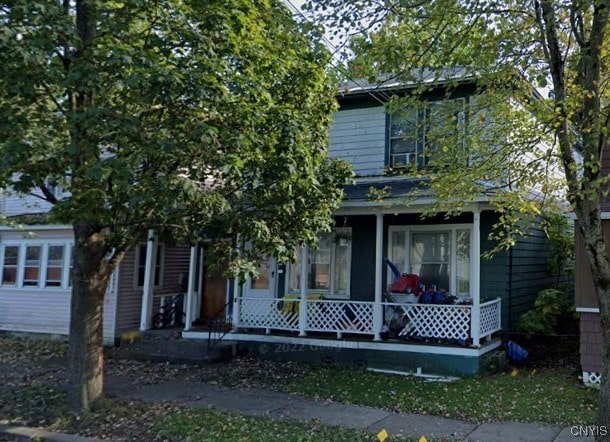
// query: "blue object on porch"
[[515, 352], [395, 271]]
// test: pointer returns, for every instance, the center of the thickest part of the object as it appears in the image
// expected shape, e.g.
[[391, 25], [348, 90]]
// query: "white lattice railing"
[[490, 317], [433, 321], [276, 313], [340, 316], [436, 321]]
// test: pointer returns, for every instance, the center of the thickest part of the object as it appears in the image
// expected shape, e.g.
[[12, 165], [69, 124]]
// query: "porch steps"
[[167, 346]]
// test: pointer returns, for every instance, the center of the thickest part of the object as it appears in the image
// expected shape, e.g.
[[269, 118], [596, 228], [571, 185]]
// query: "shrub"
[[553, 313]]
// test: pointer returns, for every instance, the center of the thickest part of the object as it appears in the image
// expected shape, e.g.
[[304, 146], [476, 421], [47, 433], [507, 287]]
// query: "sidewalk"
[[281, 406]]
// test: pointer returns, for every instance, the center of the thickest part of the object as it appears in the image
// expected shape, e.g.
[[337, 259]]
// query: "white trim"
[[400, 204], [587, 310], [377, 307], [361, 345], [475, 277], [190, 291], [453, 229], [331, 293], [149, 278], [161, 255], [44, 245], [25, 228]]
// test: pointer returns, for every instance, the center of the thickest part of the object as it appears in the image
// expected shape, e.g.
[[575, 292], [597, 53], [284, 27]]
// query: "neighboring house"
[[35, 286], [586, 305], [329, 303]]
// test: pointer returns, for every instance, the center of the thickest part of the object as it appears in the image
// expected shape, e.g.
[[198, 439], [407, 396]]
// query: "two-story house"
[[335, 302]]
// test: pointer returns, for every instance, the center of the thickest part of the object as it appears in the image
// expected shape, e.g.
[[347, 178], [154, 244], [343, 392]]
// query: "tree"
[[206, 119], [561, 45]]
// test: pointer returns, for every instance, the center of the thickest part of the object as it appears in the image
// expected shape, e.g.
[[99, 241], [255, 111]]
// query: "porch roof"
[[361, 191]]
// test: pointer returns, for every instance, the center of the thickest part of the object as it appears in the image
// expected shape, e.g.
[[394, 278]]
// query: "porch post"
[[303, 298], [236, 295], [475, 279], [149, 281], [377, 307], [190, 292]]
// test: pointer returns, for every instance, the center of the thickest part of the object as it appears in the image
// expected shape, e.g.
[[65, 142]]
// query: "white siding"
[[19, 204], [37, 310], [358, 136]]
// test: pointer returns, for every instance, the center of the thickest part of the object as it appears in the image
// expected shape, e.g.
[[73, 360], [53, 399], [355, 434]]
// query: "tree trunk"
[[90, 276]]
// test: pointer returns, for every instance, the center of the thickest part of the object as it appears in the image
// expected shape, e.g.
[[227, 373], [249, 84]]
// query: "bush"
[[553, 313]]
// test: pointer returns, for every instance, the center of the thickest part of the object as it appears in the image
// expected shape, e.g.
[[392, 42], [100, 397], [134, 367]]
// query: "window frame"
[[453, 260], [331, 292], [159, 263], [42, 267], [423, 113]]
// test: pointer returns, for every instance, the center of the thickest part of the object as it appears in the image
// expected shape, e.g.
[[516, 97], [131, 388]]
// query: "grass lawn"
[[552, 396], [209, 425], [33, 375]]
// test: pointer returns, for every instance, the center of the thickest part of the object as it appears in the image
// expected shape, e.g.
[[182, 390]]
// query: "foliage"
[[560, 232], [201, 118], [553, 313]]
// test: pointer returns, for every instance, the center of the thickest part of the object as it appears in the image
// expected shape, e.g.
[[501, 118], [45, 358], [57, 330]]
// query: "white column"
[[190, 291], [303, 298], [475, 278], [149, 281], [377, 307], [198, 294], [236, 295]]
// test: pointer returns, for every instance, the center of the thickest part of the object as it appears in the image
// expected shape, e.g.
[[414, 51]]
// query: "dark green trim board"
[[405, 361]]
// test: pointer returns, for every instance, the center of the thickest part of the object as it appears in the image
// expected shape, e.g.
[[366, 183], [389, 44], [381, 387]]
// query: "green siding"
[[516, 275], [362, 282]]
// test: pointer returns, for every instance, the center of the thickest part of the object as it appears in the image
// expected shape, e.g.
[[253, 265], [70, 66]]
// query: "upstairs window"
[[416, 134]]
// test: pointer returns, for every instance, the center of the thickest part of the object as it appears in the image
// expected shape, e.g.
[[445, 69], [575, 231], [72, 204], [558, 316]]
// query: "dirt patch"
[[548, 351]]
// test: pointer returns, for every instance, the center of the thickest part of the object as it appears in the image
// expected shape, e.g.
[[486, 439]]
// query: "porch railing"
[[490, 318], [435, 321]]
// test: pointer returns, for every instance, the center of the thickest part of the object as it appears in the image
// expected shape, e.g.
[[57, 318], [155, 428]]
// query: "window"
[[141, 262], [31, 274], [329, 266], [9, 265], [55, 266], [415, 134], [440, 255], [37, 265]]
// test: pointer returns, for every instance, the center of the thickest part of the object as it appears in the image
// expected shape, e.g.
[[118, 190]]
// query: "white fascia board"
[[587, 310], [37, 227]]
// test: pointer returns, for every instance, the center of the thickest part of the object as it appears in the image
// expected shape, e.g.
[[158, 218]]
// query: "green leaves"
[[206, 119]]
